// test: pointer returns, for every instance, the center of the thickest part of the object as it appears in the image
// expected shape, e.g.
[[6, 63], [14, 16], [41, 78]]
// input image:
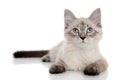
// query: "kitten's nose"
[[82, 38]]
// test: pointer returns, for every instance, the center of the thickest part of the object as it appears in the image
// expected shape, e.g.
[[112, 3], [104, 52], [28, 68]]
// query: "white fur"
[[75, 58]]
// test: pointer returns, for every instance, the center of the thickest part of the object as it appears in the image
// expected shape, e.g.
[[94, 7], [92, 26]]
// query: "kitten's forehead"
[[82, 22]]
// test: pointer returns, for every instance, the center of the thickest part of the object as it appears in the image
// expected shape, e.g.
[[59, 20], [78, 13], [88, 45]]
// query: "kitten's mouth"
[[83, 41]]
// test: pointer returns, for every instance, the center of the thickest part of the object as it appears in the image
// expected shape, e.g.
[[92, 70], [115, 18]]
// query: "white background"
[[39, 24]]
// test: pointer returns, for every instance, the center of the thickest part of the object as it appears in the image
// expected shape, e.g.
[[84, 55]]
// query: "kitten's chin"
[[82, 44]]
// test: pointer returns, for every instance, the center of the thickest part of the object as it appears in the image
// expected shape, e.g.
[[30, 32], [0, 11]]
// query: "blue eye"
[[89, 30], [75, 30]]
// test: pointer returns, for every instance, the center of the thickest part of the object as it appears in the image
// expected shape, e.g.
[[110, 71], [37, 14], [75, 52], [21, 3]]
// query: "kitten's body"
[[75, 58], [79, 51]]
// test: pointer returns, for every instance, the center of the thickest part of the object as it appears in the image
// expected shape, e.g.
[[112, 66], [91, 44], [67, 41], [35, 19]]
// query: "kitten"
[[79, 51]]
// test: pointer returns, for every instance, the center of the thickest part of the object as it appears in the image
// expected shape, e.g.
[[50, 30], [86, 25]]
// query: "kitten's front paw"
[[91, 70], [56, 69], [46, 59]]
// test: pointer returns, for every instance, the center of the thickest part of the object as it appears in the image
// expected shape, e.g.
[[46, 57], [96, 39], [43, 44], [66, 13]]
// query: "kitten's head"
[[83, 31]]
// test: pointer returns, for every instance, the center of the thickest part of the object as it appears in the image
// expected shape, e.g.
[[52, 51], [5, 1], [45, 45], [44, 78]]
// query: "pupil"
[[89, 29]]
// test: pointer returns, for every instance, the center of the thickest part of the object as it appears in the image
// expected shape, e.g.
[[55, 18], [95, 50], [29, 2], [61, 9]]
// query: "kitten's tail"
[[30, 54]]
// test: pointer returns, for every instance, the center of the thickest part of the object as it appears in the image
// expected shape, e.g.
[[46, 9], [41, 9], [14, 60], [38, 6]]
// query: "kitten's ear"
[[68, 17], [95, 17]]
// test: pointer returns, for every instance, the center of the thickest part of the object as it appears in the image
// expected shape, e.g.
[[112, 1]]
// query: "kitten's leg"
[[57, 68], [96, 68], [46, 58]]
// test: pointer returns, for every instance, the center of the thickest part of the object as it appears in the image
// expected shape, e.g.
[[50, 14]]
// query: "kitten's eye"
[[89, 30], [75, 30]]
